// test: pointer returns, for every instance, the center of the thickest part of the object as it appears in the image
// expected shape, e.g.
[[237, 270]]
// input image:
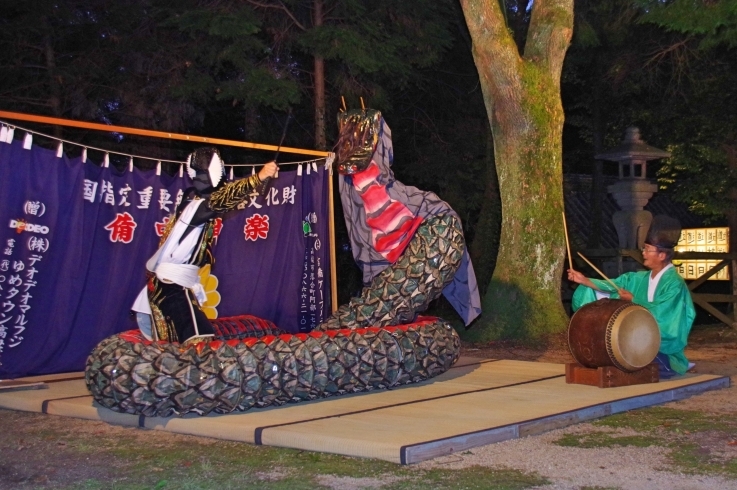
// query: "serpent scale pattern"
[[406, 288], [128, 374]]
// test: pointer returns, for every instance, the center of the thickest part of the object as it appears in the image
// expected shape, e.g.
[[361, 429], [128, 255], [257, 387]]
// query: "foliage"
[[665, 67], [703, 166], [47, 56], [714, 21], [700, 176], [604, 439]]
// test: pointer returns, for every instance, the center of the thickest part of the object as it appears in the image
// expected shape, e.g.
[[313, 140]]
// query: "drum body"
[[612, 332]]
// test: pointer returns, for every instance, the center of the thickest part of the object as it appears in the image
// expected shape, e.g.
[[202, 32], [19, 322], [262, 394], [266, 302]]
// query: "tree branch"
[[494, 49], [281, 7], [551, 28]]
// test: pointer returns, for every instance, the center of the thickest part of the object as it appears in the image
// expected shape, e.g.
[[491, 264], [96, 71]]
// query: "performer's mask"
[[358, 134], [205, 167]]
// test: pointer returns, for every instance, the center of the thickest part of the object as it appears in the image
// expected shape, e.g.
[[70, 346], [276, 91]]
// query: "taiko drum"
[[612, 332]]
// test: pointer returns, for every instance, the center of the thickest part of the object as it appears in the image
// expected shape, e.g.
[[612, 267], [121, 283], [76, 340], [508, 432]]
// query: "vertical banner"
[[260, 252], [75, 238]]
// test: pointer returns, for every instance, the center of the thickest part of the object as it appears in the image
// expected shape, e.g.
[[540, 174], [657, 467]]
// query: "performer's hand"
[[576, 276], [625, 295], [268, 170]]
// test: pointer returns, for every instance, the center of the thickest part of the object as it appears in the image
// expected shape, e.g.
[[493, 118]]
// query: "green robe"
[[672, 308]]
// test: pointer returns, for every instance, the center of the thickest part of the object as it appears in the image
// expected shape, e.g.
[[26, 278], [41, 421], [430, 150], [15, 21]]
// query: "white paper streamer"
[[60, 149], [4, 134], [329, 163], [314, 166], [28, 141], [106, 161], [130, 164], [181, 171], [11, 134], [299, 170], [84, 155], [253, 170], [230, 177], [158, 167], [309, 168]]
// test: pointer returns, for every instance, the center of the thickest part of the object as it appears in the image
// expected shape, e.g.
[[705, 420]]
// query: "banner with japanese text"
[[75, 237]]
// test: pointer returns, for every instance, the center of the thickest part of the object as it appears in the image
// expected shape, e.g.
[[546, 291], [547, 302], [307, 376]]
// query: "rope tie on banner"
[[8, 131], [329, 163]]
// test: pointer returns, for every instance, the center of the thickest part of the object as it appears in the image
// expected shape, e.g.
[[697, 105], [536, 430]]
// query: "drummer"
[[660, 289]]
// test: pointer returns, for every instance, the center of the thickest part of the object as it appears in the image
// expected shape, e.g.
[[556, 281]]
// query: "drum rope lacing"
[[608, 336]]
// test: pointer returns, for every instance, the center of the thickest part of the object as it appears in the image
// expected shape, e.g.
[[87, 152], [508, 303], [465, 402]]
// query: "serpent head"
[[357, 139]]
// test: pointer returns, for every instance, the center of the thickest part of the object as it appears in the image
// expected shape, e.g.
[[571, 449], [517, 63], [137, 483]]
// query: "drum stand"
[[610, 376]]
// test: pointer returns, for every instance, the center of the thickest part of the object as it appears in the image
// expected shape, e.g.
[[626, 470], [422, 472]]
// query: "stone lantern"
[[633, 190]]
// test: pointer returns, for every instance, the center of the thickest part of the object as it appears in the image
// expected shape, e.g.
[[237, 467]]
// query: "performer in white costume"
[[168, 307]]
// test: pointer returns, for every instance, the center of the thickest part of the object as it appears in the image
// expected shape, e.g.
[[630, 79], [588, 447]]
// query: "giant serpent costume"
[[410, 246]]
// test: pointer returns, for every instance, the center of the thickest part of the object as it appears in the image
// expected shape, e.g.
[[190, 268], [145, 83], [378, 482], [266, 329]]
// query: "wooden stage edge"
[[442, 447]]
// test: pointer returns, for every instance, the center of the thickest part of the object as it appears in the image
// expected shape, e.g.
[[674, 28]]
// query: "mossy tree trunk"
[[522, 98]]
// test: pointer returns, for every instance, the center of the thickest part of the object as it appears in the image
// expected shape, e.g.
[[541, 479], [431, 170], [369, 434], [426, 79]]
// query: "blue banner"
[[74, 238]]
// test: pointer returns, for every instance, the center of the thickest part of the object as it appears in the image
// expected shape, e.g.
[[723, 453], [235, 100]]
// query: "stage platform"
[[476, 402]]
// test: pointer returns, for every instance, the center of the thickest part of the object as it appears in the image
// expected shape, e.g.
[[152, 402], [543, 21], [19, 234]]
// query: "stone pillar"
[[632, 222], [632, 191]]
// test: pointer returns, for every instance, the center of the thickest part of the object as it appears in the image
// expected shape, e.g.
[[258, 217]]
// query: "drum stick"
[[600, 273], [568, 245]]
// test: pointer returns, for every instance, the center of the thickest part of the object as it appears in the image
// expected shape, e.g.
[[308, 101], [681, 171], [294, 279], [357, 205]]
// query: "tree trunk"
[[522, 98], [320, 139]]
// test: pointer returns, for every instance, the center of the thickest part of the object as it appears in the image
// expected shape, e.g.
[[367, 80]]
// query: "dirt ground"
[[34, 455]]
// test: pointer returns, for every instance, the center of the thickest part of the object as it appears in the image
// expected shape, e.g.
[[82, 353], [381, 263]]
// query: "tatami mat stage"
[[476, 402]]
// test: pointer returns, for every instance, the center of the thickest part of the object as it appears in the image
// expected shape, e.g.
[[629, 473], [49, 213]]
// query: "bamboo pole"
[[331, 233], [568, 244], [155, 134], [599, 272]]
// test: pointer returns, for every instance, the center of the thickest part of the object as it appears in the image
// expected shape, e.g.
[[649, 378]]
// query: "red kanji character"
[[161, 226], [122, 228], [257, 226], [217, 227]]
